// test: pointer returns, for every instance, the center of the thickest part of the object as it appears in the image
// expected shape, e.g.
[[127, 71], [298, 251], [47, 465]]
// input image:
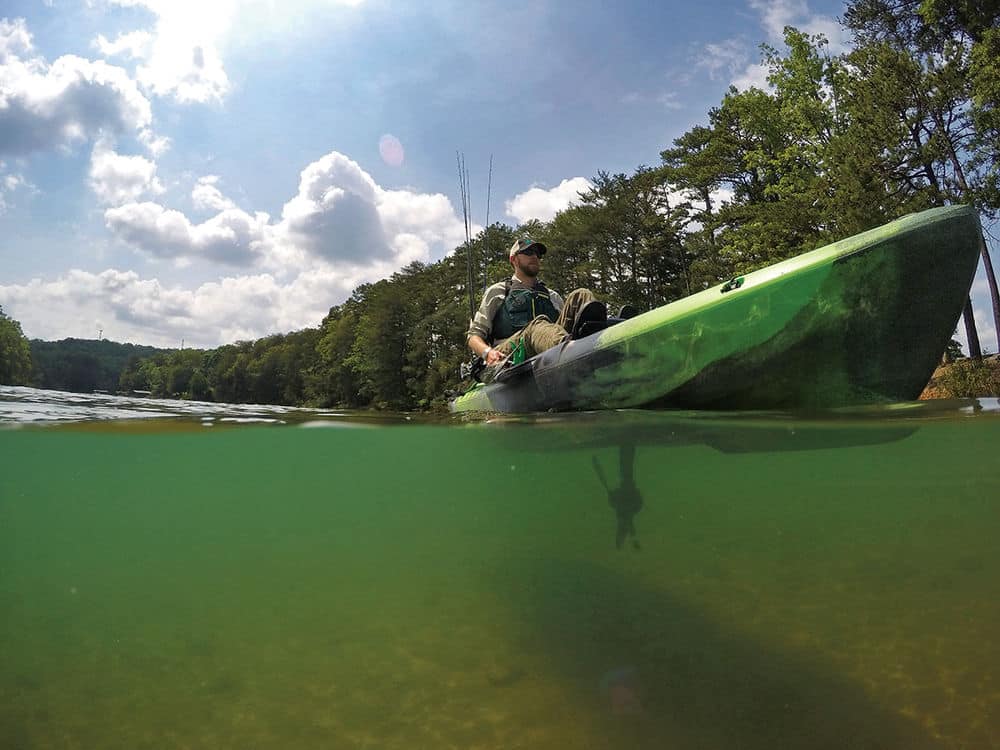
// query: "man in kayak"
[[522, 308]]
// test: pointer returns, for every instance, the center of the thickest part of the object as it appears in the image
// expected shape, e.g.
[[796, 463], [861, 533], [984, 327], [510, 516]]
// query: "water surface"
[[207, 576]]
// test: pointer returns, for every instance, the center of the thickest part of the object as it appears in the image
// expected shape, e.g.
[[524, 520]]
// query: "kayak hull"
[[864, 320]]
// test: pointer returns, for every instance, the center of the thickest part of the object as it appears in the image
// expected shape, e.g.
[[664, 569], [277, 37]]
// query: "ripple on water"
[[21, 406]]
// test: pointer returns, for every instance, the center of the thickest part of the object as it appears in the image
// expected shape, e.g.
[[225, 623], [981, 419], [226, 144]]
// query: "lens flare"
[[391, 150]]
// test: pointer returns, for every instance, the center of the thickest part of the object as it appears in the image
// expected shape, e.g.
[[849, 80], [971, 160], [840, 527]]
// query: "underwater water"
[[207, 576]]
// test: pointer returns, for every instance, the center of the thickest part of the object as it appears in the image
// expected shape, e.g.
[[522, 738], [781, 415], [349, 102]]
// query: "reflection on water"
[[803, 581], [32, 406], [625, 499]]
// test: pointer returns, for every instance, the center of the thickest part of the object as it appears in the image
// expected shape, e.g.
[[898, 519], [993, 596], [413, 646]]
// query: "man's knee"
[[542, 334]]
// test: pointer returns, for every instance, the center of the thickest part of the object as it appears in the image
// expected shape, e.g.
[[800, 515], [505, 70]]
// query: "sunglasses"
[[531, 251]]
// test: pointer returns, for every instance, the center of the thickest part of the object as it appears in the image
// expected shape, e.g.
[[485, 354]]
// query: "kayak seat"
[[594, 317], [593, 326], [593, 314]]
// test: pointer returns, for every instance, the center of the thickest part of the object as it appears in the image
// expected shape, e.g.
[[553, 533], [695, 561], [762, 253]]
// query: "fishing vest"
[[520, 307]]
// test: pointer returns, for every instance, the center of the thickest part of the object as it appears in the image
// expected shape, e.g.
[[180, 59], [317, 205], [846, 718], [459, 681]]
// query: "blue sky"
[[220, 170]]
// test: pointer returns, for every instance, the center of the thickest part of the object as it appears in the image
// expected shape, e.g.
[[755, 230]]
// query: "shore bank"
[[965, 379]]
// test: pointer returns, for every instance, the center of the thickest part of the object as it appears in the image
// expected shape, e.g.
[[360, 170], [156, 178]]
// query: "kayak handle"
[[734, 283]]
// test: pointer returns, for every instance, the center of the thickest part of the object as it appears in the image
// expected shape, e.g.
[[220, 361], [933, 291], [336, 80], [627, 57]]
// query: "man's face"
[[527, 264]]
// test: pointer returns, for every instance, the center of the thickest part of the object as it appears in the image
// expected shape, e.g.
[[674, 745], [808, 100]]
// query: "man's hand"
[[493, 356], [479, 347]]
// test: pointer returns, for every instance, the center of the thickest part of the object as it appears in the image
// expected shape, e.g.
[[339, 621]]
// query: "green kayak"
[[864, 320]]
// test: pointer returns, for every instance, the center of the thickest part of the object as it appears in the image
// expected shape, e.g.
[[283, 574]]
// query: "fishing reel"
[[472, 369]]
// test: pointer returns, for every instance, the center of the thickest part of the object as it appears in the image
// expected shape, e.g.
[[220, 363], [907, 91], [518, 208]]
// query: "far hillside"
[[84, 365]]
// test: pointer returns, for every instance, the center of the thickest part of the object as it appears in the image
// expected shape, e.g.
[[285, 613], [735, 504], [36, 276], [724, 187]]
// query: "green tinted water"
[[458, 586]]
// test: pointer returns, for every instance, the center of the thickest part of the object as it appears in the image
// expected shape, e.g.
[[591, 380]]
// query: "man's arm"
[[481, 325], [481, 349]]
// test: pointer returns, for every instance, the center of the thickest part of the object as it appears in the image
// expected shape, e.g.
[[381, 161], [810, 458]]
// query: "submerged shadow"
[[684, 679]]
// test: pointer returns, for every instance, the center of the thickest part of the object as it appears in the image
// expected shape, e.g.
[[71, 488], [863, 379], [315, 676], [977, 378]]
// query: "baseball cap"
[[524, 243]]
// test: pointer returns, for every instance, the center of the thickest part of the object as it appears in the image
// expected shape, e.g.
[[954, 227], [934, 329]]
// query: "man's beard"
[[527, 269]]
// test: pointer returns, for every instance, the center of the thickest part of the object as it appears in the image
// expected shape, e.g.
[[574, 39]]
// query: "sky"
[[178, 172]]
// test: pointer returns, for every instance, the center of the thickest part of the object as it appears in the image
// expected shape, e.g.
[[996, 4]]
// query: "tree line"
[[82, 365], [79, 365], [15, 353], [906, 120]]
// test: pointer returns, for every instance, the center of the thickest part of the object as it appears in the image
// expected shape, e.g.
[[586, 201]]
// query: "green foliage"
[[409, 336], [622, 241], [84, 365], [15, 352], [275, 370], [985, 83], [954, 351], [198, 387], [934, 62], [766, 155], [380, 343], [969, 379], [337, 379]]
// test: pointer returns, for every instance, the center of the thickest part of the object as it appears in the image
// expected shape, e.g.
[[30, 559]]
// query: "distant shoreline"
[[962, 378]]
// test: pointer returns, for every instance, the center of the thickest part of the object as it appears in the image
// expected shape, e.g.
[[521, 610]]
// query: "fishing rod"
[[486, 231], [463, 186], [470, 264]]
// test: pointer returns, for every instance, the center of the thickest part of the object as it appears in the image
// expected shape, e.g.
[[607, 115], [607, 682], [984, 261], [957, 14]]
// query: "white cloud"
[[339, 217], [11, 182], [116, 178], [134, 44], [157, 145], [15, 39], [775, 15], [231, 237], [838, 37], [180, 57], [753, 76], [131, 308], [727, 57], [732, 57], [335, 214], [666, 99], [73, 99], [207, 197], [538, 203], [429, 216]]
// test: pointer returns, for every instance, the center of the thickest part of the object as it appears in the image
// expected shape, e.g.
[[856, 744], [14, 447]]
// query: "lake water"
[[183, 575]]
